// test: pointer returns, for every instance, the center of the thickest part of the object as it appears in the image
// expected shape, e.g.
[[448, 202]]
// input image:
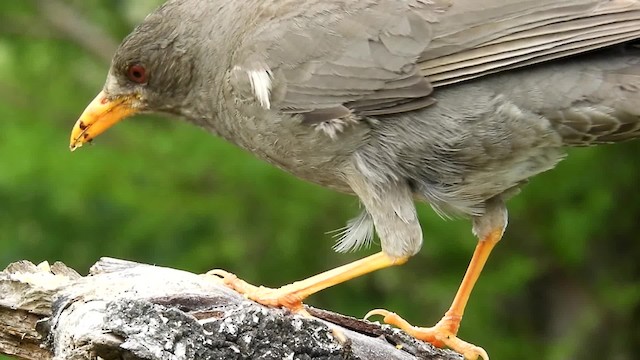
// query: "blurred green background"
[[564, 283]]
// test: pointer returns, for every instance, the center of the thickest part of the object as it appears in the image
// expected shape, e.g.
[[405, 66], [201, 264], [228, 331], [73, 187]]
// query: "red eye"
[[137, 73]]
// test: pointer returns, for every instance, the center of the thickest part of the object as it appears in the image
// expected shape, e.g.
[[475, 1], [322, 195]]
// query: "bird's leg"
[[395, 218], [292, 295], [489, 229], [443, 334]]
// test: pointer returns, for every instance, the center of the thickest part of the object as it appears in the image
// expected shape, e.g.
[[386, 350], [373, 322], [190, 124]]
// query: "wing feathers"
[[384, 56]]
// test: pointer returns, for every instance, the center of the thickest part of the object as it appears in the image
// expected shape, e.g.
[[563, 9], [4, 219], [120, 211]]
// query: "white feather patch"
[[357, 234], [333, 127], [261, 85]]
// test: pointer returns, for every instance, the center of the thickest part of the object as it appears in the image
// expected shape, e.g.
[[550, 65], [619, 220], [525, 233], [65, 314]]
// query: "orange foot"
[[291, 296], [442, 335], [288, 296], [285, 296]]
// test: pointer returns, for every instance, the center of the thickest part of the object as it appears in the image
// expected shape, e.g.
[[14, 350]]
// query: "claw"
[[232, 281], [474, 353], [222, 274], [375, 312]]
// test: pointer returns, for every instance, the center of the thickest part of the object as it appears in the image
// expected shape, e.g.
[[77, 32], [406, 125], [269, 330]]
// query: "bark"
[[126, 310]]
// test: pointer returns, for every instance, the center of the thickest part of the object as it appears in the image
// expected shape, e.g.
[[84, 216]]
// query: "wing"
[[328, 59], [325, 59], [476, 38]]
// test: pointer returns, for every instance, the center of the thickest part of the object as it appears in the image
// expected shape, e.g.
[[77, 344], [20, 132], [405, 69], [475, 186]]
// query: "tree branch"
[[69, 22], [126, 310]]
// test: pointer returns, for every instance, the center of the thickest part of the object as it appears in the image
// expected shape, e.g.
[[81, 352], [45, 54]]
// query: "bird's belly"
[[502, 177], [457, 155]]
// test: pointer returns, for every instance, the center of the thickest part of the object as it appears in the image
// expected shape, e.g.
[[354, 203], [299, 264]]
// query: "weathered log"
[[126, 310]]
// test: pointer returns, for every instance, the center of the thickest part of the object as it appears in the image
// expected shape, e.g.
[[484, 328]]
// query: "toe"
[[391, 318], [440, 335], [233, 282], [469, 351], [281, 297], [394, 319]]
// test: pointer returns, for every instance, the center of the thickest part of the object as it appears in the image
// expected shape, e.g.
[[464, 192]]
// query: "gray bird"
[[452, 102]]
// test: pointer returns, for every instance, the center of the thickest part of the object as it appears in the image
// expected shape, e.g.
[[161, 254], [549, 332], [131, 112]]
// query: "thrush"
[[451, 102]]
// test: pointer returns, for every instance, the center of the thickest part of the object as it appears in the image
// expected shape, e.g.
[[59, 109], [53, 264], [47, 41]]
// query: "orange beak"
[[100, 115]]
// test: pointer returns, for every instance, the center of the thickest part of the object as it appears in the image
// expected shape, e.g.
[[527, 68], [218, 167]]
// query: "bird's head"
[[151, 71]]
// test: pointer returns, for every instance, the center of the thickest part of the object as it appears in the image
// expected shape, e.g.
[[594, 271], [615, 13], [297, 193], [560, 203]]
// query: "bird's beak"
[[101, 114]]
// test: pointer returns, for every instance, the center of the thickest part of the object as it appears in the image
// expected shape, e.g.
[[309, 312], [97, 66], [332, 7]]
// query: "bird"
[[454, 103]]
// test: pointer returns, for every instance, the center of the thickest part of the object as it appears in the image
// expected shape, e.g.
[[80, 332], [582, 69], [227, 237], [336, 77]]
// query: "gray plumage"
[[357, 234], [456, 103]]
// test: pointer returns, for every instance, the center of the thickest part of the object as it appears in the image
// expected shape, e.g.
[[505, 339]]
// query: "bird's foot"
[[442, 335], [284, 296], [287, 296]]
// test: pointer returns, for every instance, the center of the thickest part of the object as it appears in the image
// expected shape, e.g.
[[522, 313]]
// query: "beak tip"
[[74, 145]]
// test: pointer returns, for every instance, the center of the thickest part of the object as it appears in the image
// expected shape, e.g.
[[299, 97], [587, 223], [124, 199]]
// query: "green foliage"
[[563, 283]]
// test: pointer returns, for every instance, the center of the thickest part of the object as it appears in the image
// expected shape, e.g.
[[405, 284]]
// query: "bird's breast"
[[291, 145]]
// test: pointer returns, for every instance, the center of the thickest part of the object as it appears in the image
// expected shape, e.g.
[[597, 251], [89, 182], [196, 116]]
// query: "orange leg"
[[443, 334], [291, 296]]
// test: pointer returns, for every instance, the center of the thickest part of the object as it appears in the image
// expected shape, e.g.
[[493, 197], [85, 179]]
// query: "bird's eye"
[[137, 73]]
